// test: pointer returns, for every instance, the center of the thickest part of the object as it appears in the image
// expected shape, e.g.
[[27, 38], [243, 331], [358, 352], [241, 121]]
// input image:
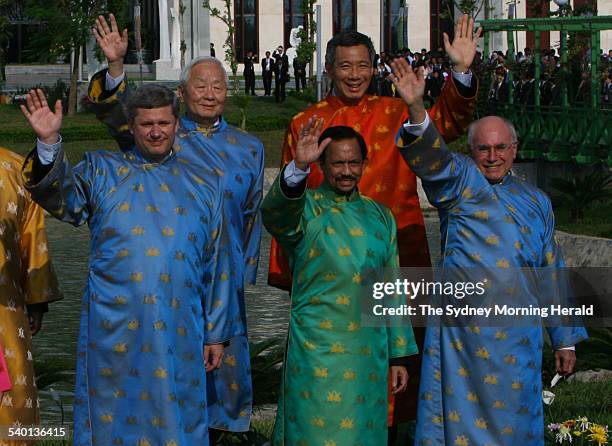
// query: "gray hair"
[[186, 72], [151, 96], [348, 38], [474, 125]]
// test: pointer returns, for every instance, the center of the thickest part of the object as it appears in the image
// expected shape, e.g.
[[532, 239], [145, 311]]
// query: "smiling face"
[[154, 131], [493, 149], [343, 165], [204, 92], [351, 72]]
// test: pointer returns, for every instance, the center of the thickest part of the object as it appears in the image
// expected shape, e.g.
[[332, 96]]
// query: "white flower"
[[548, 397]]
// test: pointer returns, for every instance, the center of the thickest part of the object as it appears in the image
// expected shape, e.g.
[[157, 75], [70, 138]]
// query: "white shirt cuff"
[[572, 348], [293, 175], [47, 152], [463, 78], [112, 82], [417, 129]]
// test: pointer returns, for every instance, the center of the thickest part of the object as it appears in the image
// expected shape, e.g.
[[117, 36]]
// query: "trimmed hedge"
[[260, 123], [81, 133], [95, 132]]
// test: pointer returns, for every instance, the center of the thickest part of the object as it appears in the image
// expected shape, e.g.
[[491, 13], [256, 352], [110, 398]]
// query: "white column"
[[168, 66], [604, 7], [164, 35], [175, 36]]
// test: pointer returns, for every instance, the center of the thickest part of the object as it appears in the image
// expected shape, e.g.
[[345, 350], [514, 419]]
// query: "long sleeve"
[[554, 286], [107, 105], [63, 191], [443, 172], [251, 236], [39, 280], [282, 216], [452, 112]]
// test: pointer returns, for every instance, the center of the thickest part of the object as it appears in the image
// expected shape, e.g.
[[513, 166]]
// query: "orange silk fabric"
[[387, 177]]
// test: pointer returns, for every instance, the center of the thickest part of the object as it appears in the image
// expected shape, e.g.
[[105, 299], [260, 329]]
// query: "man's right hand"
[[45, 123], [113, 44], [308, 149]]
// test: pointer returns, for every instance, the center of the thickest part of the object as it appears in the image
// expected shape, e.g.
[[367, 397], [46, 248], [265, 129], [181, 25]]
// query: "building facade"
[[263, 25]]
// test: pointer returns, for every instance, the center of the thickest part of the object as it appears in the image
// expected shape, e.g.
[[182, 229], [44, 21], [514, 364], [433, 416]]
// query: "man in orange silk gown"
[[387, 178]]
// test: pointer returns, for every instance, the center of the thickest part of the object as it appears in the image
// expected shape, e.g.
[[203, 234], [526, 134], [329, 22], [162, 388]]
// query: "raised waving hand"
[[45, 122], [463, 48], [410, 84], [308, 149], [113, 44]]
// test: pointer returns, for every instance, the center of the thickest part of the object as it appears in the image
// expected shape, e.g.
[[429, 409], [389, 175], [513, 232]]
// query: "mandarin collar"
[[506, 180], [335, 100], [330, 194], [134, 155], [192, 126]]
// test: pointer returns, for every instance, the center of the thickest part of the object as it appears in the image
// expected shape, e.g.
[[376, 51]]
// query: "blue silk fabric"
[[155, 230], [237, 159], [482, 385]]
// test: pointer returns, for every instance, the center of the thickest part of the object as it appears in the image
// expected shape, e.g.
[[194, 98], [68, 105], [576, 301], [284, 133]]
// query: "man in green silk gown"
[[335, 380]]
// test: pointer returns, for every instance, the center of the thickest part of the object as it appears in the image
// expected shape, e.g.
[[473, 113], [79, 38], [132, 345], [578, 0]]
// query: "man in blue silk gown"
[[149, 328], [218, 149], [481, 384]]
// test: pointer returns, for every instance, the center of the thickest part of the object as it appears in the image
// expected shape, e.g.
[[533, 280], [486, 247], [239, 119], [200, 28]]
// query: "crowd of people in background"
[[436, 65], [523, 67], [275, 66]]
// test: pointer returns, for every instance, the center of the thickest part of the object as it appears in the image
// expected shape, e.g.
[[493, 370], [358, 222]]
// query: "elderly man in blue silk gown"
[[207, 141], [149, 327], [481, 384]]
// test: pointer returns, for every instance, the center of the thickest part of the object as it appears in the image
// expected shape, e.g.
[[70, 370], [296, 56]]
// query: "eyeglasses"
[[499, 149]]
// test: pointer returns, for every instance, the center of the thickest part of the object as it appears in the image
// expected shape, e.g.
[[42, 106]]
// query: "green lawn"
[[596, 221], [265, 119], [572, 400]]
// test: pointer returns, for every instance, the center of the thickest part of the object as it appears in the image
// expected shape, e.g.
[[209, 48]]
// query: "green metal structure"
[[558, 133]]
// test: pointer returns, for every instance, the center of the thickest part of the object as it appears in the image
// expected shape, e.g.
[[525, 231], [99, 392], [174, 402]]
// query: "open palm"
[[409, 84], [308, 149], [463, 48], [112, 43], [45, 123]]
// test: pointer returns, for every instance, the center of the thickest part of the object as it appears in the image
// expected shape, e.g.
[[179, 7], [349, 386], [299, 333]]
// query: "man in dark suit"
[[267, 68], [299, 71], [249, 73], [281, 73]]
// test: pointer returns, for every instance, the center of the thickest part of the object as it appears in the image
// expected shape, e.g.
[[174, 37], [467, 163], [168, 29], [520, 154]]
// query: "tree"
[[308, 45], [182, 9], [228, 19], [67, 30], [5, 34], [470, 7]]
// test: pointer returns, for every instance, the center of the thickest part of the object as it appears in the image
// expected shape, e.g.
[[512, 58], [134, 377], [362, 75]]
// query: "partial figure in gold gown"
[[27, 285]]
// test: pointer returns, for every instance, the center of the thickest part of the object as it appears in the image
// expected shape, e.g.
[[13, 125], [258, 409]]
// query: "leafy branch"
[[228, 20], [305, 50]]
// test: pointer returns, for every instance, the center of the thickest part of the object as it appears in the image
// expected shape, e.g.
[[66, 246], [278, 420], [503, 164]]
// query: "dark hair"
[[151, 96], [341, 133], [348, 38]]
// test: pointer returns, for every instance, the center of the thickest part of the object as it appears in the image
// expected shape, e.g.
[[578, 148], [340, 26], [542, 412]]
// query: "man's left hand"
[[399, 379], [213, 354], [463, 48], [565, 360], [35, 318]]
